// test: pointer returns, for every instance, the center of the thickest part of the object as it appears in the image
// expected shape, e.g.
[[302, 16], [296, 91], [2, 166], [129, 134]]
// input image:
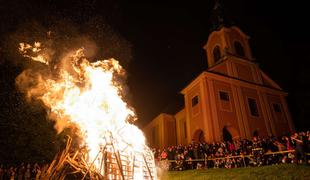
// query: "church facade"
[[232, 99]]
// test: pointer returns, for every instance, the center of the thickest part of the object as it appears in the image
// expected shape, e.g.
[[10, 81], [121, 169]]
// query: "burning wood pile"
[[114, 164]]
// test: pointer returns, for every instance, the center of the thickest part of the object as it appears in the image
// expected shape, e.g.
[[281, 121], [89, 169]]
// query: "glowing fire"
[[88, 96], [25, 49]]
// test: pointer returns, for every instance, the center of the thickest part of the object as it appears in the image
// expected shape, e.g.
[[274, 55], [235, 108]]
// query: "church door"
[[198, 136]]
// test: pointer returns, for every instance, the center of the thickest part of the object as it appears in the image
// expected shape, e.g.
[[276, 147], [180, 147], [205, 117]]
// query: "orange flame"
[[24, 49], [86, 94]]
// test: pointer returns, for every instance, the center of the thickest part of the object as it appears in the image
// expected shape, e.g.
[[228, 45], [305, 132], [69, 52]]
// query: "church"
[[232, 99]]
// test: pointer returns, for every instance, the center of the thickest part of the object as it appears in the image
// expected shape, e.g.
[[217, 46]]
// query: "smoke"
[[95, 36], [30, 82], [161, 172]]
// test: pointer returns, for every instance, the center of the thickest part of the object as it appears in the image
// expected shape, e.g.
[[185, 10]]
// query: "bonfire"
[[88, 96]]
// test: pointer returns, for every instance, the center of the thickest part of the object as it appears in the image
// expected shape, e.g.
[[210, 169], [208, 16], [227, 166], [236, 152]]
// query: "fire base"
[[109, 164]]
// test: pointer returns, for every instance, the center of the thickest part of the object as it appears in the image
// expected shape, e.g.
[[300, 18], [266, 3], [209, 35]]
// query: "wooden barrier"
[[232, 157]]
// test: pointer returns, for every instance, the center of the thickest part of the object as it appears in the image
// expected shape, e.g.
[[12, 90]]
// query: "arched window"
[[216, 54], [239, 48]]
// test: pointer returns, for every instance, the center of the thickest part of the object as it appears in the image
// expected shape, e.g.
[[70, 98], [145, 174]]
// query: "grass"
[[283, 171]]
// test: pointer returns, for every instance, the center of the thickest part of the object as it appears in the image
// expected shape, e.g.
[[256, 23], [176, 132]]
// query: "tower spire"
[[218, 18]]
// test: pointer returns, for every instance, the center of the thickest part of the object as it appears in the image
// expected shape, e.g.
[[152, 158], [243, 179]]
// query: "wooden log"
[[147, 166]]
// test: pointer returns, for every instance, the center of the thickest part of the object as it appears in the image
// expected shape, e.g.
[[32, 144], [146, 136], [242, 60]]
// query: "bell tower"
[[228, 50], [227, 41]]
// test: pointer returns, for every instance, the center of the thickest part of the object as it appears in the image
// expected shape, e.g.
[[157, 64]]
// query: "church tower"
[[228, 50], [229, 53]]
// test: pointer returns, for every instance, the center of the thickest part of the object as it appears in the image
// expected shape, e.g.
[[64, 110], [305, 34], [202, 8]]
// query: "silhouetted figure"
[[21, 172], [299, 152]]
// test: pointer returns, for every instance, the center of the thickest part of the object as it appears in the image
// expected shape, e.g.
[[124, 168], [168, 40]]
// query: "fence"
[[243, 157]]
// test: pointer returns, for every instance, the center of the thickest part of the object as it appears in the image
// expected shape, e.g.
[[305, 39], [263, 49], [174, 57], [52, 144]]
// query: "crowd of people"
[[25, 171], [258, 151]]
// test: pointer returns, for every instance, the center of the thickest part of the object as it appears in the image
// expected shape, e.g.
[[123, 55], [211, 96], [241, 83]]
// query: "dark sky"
[[167, 40]]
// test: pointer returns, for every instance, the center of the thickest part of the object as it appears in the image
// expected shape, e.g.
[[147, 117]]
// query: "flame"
[[24, 49], [86, 94]]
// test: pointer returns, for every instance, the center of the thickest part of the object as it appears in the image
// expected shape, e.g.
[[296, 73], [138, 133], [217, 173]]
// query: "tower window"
[[216, 54], [224, 96], [277, 107], [253, 107], [239, 48], [194, 101]]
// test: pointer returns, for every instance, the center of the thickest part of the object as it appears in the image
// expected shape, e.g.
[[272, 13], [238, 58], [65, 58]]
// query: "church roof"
[[271, 86]]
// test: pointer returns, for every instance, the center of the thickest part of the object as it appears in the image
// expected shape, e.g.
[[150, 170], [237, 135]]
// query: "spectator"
[[299, 152], [21, 172], [12, 173], [163, 155], [1, 172], [28, 172], [288, 143], [36, 171]]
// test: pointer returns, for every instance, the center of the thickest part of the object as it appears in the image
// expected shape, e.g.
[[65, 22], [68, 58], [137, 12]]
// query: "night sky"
[[166, 40]]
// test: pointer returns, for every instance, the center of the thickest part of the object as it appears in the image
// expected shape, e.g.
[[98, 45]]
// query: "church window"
[[253, 107], [194, 101], [239, 48], [224, 96], [216, 54], [276, 107]]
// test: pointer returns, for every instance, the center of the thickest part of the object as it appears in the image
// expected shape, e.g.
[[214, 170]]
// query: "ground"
[[287, 171]]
